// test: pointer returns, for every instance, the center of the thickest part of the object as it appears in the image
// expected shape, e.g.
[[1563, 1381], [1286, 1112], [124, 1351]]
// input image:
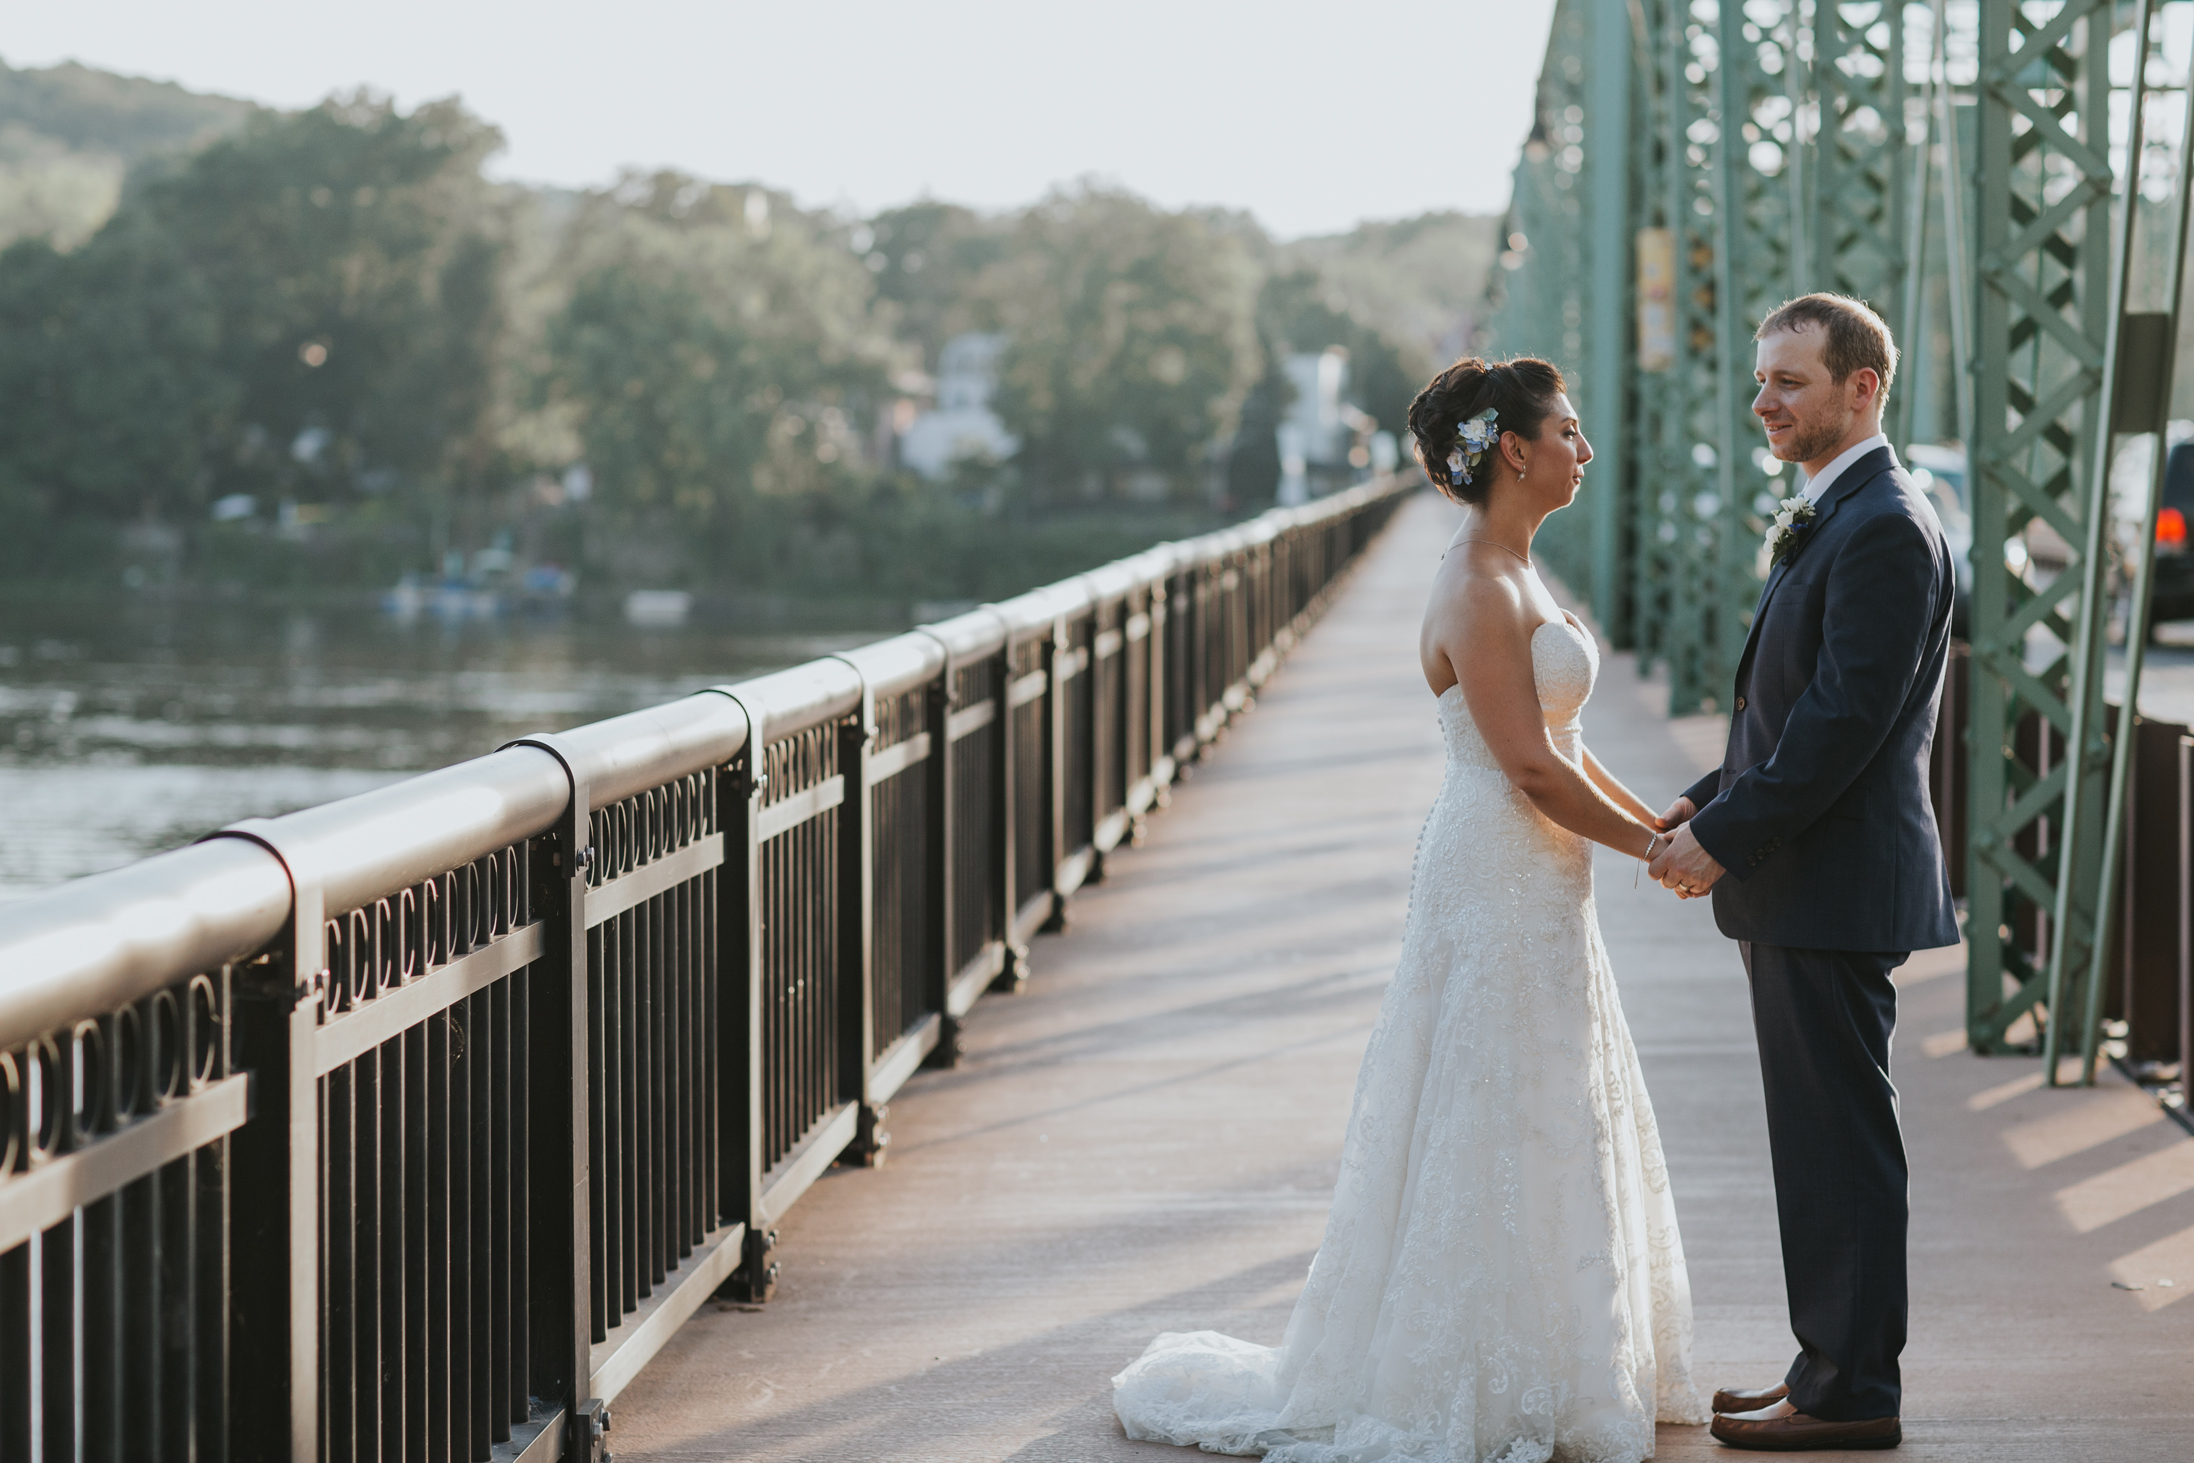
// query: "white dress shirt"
[[1816, 486]]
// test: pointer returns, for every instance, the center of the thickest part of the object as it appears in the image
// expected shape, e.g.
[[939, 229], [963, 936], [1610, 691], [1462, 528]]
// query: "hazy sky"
[[1312, 116]]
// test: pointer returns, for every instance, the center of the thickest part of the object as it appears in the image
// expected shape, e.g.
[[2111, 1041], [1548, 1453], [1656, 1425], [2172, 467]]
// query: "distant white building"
[[1325, 440], [962, 426], [1312, 430]]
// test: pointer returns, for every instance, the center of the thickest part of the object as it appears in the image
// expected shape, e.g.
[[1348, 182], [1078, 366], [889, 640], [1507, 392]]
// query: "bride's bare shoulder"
[[1475, 614], [1474, 594]]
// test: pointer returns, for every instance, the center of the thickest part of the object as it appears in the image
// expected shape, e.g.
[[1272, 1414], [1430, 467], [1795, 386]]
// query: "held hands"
[[1680, 863]]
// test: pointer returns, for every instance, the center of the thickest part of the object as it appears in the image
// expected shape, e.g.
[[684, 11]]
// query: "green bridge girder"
[[1692, 164]]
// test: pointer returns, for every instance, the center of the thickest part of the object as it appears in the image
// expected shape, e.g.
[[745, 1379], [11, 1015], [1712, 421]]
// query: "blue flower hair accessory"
[[1473, 439]]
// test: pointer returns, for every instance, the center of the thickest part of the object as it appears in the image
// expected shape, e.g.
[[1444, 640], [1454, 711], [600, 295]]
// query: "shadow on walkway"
[[1146, 1140]]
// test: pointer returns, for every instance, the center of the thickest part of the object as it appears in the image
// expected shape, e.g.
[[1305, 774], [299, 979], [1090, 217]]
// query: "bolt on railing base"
[[870, 1138], [946, 1055], [1012, 980], [755, 1281], [588, 1441]]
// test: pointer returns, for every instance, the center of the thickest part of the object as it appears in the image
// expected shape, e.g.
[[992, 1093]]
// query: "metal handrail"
[[898, 664], [627, 754], [979, 632], [108, 941], [788, 701], [369, 846]]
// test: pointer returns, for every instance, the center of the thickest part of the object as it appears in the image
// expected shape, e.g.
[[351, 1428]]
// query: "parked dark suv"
[[2172, 592]]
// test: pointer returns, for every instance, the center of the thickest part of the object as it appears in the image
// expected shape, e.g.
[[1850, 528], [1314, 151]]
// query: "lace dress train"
[[1501, 1276]]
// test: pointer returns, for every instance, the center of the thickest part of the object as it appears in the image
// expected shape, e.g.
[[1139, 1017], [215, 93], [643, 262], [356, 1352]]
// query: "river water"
[[127, 728]]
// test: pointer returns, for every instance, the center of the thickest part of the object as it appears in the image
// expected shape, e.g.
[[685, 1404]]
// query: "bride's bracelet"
[[1653, 846]]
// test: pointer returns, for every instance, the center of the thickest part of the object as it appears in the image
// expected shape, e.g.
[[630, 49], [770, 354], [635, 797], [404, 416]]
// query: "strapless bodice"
[[1564, 664]]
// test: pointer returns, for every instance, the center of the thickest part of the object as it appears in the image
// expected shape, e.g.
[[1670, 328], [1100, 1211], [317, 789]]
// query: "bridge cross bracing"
[[1145, 1139]]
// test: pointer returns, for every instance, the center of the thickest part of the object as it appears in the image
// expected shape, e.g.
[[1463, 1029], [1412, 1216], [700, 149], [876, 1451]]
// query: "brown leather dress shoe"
[[1731, 1400], [1781, 1428]]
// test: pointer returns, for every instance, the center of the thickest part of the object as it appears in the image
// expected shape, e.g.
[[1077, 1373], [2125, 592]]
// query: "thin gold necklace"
[[1504, 548]]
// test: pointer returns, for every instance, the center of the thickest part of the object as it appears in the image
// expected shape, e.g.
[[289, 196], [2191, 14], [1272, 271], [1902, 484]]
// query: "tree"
[[1299, 310], [309, 307], [674, 410], [1417, 280], [353, 255], [1130, 342], [928, 258], [109, 366], [69, 134], [1253, 461], [717, 347]]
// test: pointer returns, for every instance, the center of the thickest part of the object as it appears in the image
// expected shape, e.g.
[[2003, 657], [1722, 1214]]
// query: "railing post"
[[1260, 603], [1253, 641], [1103, 738], [274, 1374], [1196, 638], [1057, 652], [1218, 630], [563, 1310], [1014, 973], [739, 1012], [1154, 705], [857, 933], [937, 847]]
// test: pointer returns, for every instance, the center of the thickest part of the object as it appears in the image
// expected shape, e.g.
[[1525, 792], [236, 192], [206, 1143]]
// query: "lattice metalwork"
[[1679, 353], [1860, 193], [2152, 158], [1726, 182], [1764, 115], [1778, 146], [1538, 297], [2042, 238]]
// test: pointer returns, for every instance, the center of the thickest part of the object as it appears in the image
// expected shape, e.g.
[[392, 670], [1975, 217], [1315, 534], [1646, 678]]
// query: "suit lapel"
[[1855, 477]]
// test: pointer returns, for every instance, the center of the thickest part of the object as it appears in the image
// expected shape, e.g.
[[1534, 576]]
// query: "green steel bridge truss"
[[1960, 165]]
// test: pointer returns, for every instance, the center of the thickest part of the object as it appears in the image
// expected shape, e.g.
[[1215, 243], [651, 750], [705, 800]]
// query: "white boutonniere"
[[1792, 517]]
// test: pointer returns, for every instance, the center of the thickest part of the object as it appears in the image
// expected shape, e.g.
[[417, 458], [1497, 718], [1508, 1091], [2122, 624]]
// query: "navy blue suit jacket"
[[1819, 812]]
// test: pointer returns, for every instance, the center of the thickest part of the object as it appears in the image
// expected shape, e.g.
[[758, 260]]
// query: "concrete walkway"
[[1146, 1140]]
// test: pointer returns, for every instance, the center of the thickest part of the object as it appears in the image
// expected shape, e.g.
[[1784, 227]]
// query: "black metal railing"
[[411, 1126]]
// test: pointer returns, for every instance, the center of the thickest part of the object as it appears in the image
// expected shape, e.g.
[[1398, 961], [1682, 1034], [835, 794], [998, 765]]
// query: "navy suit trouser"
[[1824, 1020]]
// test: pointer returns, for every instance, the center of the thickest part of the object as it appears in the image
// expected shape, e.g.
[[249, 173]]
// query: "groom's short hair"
[[1856, 336]]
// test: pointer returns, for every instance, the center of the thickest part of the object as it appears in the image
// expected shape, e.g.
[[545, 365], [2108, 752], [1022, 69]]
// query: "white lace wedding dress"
[[1501, 1277]]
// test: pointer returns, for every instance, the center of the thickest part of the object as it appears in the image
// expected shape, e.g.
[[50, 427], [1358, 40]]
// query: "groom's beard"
[[1812, 440]]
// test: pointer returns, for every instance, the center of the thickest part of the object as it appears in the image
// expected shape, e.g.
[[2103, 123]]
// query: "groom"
[[1819, 845]]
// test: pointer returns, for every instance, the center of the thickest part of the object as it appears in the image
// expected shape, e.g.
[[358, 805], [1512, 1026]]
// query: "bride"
[[1501, 1277]]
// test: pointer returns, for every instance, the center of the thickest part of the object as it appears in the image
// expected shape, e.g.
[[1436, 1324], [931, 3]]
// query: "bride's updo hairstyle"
[[1521, 392]]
